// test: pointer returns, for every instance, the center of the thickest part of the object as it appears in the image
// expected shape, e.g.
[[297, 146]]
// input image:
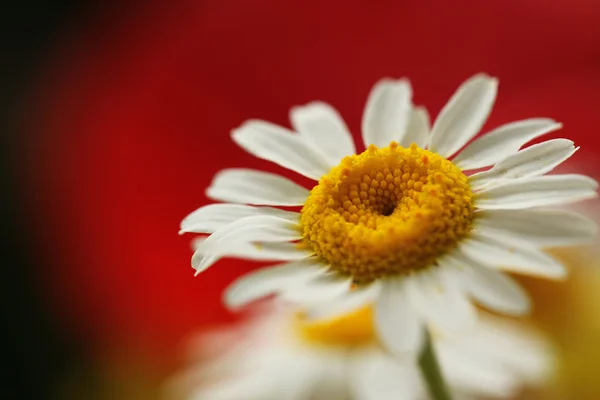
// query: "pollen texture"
[[349, 330], [387, 211]]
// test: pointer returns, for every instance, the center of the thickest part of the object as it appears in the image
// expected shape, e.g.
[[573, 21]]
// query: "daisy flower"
[[279, 354], [403, 224]]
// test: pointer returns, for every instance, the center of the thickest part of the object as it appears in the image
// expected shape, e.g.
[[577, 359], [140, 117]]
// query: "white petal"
[[535, 160], [511, 256], [378, 377], [273, 252], [537, 192], [464, 115], [543, 228], [260, 228], [491, 288], [251, 387], [501, 354], [387, 112], [281, 146], [348, 302], [237, 185], [502, 142], [198, 242], [525, 352], [211, 217], [396, 322], [323, 127], [266, 281], [270, 251], [440, 299], [322, 288], [334, 374], [299, 377], [476, 374], [418, 128]]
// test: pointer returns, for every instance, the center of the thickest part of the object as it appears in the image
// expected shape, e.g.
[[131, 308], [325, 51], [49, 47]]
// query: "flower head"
[[387, 212], [402, 224], [281, 354]]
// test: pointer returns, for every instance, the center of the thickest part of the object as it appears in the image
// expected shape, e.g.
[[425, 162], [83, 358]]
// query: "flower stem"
[[430, 370]]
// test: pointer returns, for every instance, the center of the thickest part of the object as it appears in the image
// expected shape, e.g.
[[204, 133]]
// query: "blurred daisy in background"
[[278, 354], [399, 225]]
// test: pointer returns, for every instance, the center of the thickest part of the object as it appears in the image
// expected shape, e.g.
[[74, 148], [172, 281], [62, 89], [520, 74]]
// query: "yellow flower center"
[[350, 330], [387, 211]]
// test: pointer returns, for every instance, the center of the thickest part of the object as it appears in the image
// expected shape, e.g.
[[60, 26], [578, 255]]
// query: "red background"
[[131, 118]]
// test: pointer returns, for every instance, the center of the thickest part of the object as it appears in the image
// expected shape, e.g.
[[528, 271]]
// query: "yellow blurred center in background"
[[350, 330]]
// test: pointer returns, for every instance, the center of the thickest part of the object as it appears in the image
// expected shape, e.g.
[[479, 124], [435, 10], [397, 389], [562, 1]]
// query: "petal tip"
[[210, 192], [559, 274], [483, 76], [522, 309], [237, 133], [553, 126], [230, 302]]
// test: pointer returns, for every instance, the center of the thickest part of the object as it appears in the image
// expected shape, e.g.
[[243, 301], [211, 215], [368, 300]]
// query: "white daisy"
[[400, 224], [281, 355]]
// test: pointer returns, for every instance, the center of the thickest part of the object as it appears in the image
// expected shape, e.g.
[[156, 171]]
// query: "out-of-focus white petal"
[[251, 387], [494, 359], [440, 300], [478, 376], [346, 303], [396, 321], [380, 377], [322, 288]]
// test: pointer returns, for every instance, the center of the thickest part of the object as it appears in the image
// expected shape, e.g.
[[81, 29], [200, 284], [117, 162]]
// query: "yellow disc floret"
[[387, 211], [350, 330]]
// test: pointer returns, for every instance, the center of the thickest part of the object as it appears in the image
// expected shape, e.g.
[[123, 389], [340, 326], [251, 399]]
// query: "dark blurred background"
[[37, 352]]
